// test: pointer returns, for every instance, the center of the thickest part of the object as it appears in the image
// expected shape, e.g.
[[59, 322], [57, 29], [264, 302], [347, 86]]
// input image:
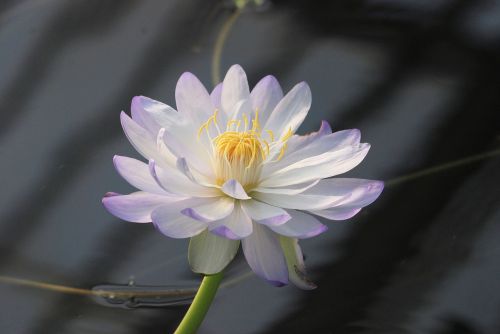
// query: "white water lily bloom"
[[227, 168]]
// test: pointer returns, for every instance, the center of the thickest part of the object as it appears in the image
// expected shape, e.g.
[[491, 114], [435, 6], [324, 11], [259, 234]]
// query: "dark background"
[[420, 79]]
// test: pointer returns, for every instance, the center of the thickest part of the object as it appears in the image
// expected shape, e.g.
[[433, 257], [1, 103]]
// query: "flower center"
[[240, 151], [243, 148]]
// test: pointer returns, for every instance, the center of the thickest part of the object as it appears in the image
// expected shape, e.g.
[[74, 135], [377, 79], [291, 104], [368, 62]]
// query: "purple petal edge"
[[322, 228], [191, 213], [277, 284], [276, 220], [325, 128], [223, 231]]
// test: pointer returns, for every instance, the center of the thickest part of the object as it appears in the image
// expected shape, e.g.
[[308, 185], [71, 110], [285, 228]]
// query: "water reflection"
[[131, 296]]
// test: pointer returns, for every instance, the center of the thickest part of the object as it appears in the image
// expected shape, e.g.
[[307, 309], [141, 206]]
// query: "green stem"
[[199, 307], [220, 41]]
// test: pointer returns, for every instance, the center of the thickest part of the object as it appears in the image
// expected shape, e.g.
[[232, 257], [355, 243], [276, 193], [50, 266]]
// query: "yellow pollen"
[[244, 147]]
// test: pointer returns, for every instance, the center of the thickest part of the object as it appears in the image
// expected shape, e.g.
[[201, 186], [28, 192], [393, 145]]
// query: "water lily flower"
[[227, 168]]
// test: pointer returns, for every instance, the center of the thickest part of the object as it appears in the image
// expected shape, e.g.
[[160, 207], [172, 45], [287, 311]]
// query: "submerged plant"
[[227, 168]]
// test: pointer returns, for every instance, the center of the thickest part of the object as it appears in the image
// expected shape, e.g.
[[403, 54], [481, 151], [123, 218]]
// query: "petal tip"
[[137, 99], [109, 194], [236, 71], [116, 160], [234, 189], [236, 67], [325, 128], [376, 187], [305, 86], [355, 134], [123, 115], [277, 284], [125, 120], [303, 90], [270, 80], [301, 280], [187, 75], [105, 200], [186, 81], [320, 229]]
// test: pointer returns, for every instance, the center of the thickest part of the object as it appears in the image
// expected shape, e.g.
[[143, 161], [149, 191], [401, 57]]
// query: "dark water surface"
[[420, 79]]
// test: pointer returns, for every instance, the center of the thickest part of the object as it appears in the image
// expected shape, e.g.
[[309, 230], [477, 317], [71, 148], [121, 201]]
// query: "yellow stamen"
[[267, 146], [231, 123], [246, 147], [282, 152], [205, 125], [271, 134], [287, 135], [215, 115], [242, 147], [246, 121], [255, 121]]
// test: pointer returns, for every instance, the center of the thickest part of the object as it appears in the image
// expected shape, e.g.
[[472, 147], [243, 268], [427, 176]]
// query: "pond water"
[[420, 79]]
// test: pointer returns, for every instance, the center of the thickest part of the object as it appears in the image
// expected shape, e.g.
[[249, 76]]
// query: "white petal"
[[234, 189], [237, 225], [183, 167], [171, 134], [303, 147], [154, 115], [214, 209], [336, 213], [265, 96], [266, 214], [301, 226], [215, 96], [241, 109], [303, 201], [288, 190], [358, 194], [321, 166], [295, 143], [291, 111], [361, 192], [264, 255], [295, 263], [335, 156], [172, 181], [328, 193], [169, 221], [135, 207], [187, 145], [142, 140], [193, 174], [192, 98], [137, 174], [145, 142], [209, 254], [234, 88]]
